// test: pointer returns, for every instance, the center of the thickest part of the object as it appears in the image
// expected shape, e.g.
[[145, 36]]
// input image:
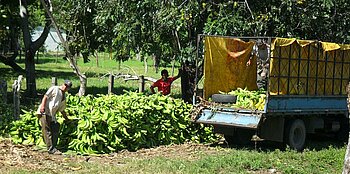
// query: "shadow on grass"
[[313, 142], [95, 90], [8, 74], [46, 58], [49, 74]]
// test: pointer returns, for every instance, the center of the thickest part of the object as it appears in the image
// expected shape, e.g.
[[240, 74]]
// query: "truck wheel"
[[230, 139], [295, 134], [343, 133], [240, 137], [224, 98]]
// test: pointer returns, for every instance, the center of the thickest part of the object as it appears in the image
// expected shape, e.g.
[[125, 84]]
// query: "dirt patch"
[[29, 158], [187, 151]]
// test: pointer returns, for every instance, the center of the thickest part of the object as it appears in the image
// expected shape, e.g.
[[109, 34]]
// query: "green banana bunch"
[[246, 99], [109, 123]]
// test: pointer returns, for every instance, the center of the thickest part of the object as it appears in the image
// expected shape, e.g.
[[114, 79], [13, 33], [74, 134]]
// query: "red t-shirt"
[[164, 86]]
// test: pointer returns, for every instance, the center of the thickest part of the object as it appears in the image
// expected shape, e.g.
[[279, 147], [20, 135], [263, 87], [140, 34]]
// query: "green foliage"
[[81, 36], [110, 123], [6, 117], [228, 18], [323, 20], [169, 28], [10, 20]]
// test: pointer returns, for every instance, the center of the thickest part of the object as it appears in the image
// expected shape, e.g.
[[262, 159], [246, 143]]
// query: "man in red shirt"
[[164, 84]]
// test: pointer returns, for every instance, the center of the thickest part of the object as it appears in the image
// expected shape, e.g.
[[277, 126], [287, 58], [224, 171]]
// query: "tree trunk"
[[188, 82], [155, 62], [11, 62], [31, 47], [30, 73], [173, 66], [83, 84], [138, 54], [96, 58], [110, 53], [70, 57], [346, 168], [145, 64]]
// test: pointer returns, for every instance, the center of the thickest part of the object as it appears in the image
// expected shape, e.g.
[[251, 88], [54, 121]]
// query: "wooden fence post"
[[16, 87], [3, 92], [142, 83], [110, 83], [53, 81]]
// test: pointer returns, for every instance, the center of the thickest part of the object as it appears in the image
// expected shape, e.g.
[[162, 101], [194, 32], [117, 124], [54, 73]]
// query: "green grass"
[[97, 76], [244, 161], [224, 160]]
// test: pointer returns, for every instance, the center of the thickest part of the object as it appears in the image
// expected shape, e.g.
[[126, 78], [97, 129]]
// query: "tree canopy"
[[168, 29]]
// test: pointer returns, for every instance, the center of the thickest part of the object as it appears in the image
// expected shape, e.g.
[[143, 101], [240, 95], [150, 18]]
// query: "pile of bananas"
[[246, 99], [109, 123]]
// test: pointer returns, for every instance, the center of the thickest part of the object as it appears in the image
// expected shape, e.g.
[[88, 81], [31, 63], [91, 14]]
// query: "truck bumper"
[[229, 117]]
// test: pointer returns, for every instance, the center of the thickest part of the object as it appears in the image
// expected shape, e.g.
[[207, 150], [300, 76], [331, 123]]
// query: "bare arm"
[[64, 114], [43, 103]]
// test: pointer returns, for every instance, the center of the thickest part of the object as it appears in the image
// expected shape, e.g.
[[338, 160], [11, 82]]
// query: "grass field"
[[186, 158], [319, 156], [52, 66]]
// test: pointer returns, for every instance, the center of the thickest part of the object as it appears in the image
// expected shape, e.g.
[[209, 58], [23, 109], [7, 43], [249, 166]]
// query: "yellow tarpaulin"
[[327, 46], [299, 67], [345, 46], [225, 65], [282, 42]]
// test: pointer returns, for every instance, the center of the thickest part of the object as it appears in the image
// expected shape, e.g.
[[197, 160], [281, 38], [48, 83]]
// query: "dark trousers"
[[50, 131]]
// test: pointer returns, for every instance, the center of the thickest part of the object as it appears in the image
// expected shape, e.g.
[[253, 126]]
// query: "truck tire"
[[295, 134], [224, 98], [343, 133], [240, 137]]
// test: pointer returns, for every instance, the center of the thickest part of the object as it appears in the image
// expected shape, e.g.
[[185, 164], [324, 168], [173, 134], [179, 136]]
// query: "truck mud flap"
[[229, 118]]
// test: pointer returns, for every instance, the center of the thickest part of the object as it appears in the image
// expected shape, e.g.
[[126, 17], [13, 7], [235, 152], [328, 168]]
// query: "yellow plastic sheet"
[[282, 42], [328, 46], [300, 67], [345, 47], [225, 65]]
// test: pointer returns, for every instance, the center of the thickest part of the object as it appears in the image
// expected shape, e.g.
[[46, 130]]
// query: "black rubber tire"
[[343, 133], [295, 134], [223, 98], [240, 137]]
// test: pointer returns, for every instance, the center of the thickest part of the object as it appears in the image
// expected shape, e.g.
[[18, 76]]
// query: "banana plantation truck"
[[304, 81]]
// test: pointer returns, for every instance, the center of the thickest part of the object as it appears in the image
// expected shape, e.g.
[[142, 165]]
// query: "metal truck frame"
[[290, 116]]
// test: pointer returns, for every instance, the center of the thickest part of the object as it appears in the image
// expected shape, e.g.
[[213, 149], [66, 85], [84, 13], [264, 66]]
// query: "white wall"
[[52, 39]]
